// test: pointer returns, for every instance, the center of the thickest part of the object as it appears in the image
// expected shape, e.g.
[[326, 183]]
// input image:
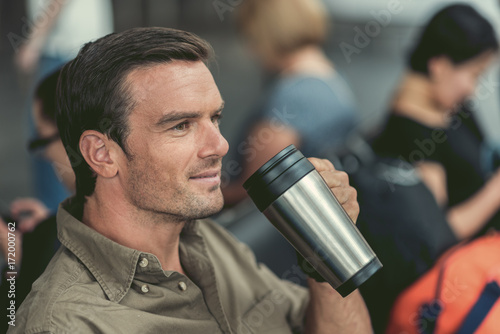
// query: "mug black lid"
[[277, 175]]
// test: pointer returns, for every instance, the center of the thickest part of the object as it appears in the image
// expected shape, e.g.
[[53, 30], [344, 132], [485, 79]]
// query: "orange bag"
[[460, 294]]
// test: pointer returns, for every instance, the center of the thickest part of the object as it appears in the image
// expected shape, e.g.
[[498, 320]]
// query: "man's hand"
[[338, 182], [327, 311]]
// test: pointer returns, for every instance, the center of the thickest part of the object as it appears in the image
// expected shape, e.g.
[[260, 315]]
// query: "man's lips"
[[212, 176], [210, 173]]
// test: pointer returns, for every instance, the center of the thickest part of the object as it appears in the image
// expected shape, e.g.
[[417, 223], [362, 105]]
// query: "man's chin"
[[212, 208], [217, 208]]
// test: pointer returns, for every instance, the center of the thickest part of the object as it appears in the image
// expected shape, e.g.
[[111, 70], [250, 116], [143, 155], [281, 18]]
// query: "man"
[[138, 115]]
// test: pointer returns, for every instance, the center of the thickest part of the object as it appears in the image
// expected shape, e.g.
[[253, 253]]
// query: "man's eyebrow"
[[179, 115], [218, 111]]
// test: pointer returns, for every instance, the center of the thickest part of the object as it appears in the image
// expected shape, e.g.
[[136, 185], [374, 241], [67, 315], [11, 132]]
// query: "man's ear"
[[96, 150]]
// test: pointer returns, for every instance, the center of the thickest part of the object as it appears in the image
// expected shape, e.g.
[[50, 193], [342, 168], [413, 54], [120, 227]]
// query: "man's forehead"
[[175, 74], [178, 85]]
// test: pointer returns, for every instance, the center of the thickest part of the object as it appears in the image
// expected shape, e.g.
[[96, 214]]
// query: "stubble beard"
[[147, 193]]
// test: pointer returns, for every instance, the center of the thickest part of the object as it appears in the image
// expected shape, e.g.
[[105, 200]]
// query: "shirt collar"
[[113, 265]]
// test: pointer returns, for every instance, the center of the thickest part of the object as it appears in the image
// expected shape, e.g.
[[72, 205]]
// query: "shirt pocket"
[[269, 315]]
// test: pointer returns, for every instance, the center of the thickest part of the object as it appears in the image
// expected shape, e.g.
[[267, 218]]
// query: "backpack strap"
[[489, 296], [429, 312]]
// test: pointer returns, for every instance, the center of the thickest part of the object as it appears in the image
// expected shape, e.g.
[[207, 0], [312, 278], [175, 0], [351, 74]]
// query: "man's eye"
[[181, 127], [216, 119]]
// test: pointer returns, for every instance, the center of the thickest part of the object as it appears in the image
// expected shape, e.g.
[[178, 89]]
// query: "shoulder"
[[402, 136], [402, 124], [51, 305], [307, 103], [398, 128], [313, 87]]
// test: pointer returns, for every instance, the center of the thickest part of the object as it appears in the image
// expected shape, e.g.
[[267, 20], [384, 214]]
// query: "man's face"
[[174, 141]]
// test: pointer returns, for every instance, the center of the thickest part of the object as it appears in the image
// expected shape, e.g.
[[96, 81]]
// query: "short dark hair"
[[92, 92], [457, 32]]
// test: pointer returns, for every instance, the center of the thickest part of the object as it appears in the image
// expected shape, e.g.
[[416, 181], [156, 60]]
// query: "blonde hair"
[[280, 27]]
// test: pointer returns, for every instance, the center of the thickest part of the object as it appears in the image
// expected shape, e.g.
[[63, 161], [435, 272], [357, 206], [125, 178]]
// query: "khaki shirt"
[[94, 285]]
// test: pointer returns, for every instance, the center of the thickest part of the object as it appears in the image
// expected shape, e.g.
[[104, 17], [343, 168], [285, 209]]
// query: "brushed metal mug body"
[[311, 219], [298, 202]]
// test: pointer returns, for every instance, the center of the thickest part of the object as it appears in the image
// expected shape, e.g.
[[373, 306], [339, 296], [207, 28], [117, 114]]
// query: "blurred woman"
[[431, 125], [308, 103]]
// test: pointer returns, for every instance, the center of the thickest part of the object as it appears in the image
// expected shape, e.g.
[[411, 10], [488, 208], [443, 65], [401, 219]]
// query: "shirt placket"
[[194, 257], [150, 276]]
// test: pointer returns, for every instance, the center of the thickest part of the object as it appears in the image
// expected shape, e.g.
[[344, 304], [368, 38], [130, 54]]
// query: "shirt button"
[[145, 288], [144, 262], [182, 286]]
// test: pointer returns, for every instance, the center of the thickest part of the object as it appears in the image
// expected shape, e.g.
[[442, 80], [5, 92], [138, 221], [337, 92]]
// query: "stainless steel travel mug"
[[297, 201]]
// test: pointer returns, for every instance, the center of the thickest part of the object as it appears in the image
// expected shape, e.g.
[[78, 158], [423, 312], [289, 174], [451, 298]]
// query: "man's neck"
[[115, 218]]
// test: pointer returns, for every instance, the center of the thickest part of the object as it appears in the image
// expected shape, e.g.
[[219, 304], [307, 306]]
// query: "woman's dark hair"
[[45, 93], [93, 94], [458, 32]]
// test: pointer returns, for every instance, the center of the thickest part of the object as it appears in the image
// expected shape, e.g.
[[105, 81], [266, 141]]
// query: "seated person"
[[432, 128], [308, 104], [36, 231], [138, 113], [431, 138]]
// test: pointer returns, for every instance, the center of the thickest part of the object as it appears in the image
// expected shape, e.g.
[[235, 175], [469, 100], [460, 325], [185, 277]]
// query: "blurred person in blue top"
[[56, 30], [307, 104]]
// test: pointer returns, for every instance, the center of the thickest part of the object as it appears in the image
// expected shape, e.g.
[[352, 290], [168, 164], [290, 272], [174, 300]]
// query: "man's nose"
[[213, 143]]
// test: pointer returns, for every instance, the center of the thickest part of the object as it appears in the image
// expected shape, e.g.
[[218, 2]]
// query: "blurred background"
[[370, 66], [368, 42]]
